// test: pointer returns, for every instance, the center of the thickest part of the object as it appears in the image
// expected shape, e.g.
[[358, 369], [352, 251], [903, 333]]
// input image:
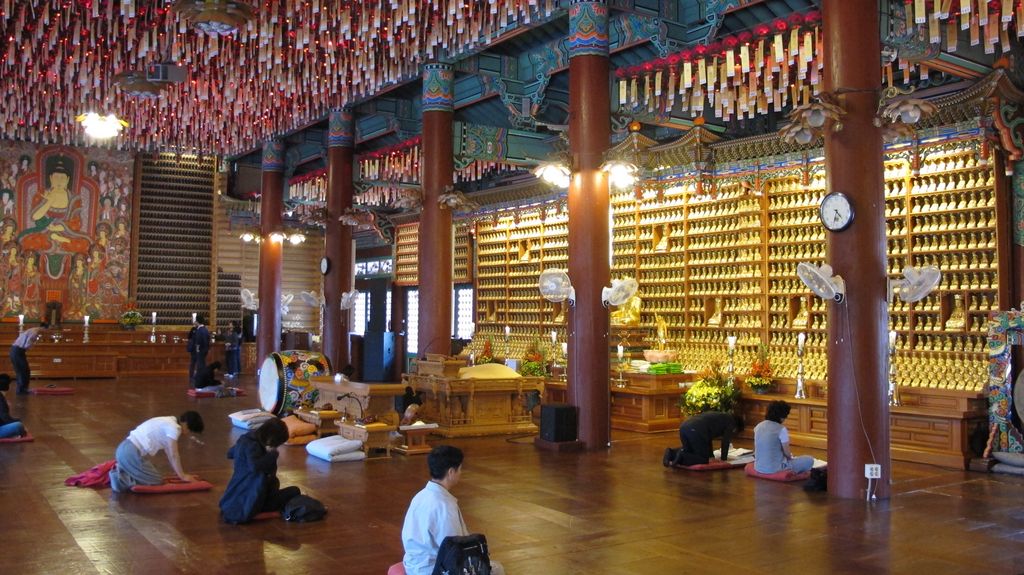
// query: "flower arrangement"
[[534, 363], [487, 355], [760, 378], [712, 392], [130, 318]]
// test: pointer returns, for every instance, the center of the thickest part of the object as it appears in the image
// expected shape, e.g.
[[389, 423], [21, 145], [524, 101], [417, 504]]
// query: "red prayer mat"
[[783, 476], [174, 486], [22, 439], [196, 393], [715, 465]]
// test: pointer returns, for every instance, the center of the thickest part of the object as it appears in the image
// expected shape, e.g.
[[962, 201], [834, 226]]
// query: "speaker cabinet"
[[378, 356], [558, 422]]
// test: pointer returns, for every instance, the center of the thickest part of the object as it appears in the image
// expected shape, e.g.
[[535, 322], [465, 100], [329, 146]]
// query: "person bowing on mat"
[[134, 466]]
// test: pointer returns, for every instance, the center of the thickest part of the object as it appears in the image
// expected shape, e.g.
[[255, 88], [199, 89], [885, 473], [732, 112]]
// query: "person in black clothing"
[[696, 435], [207, 376], [254, 487], [198, 347]]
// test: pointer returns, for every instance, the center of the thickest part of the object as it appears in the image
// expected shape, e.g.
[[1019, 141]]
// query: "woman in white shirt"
[[134, 466]]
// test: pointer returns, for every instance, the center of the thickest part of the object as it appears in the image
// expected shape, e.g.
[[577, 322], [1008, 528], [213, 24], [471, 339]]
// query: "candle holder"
[[621, 382], [894, 388], [152, 334], [801, 393], [730, 367], [85, 333]]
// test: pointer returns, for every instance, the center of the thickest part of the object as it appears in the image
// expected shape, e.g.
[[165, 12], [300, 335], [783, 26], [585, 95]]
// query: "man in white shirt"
[[151, 437], [19, 357], [434, 514]]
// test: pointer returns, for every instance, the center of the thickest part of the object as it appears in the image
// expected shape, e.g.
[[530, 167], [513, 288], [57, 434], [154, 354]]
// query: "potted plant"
[[130, 319], [712, 392], [760, 378]]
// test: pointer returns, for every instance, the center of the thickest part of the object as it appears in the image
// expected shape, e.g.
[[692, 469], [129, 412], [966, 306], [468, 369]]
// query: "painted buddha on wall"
[[56, 214]]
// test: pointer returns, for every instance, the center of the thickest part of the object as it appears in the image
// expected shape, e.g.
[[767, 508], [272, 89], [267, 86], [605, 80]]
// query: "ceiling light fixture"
[[101, 127], [214, 17]]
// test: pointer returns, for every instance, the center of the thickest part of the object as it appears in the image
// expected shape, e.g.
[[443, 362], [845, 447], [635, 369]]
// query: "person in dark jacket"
[[207, 376], [254, 487], [9, 426], [696, 435], [198, 347]]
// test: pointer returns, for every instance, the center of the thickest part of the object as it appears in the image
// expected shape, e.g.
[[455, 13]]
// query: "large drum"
[[284, 380]]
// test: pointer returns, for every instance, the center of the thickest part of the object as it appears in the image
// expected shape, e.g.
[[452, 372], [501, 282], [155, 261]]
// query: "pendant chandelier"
[[214, 17]]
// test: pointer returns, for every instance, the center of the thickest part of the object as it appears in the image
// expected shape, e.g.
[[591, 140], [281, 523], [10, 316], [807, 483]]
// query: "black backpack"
[[302, 509], [463, 555]]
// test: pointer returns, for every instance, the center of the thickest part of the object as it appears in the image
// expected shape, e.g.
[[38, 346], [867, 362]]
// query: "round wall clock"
[[836, 212]]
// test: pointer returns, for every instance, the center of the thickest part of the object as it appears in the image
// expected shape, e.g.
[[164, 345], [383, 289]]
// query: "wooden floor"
[[616, 512]]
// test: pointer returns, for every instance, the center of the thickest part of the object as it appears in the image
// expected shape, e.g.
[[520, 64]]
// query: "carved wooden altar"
[[463, 407]]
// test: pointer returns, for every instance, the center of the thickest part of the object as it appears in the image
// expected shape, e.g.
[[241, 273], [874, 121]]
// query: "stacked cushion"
[[299, 432], [250, 418], [336, 448]]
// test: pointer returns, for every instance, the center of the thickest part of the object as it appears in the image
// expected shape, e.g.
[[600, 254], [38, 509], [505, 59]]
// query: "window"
[[412, 311], [362, 312], [463, 313]]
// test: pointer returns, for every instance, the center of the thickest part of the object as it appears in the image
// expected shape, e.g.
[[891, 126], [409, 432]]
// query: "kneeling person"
[[254, 486], [151, 437], [434, 514], [696, 435]]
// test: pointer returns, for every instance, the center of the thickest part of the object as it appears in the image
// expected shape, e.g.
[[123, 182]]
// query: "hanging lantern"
[[214, 17]]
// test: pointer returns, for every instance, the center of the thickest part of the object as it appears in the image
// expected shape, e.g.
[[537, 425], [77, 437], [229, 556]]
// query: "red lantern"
[[779, 25]]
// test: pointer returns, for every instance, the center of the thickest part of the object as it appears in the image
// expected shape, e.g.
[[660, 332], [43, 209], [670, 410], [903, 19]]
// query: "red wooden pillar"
[[435, 235], [268, 330], [858, 408], [589, 268], [338, 248]]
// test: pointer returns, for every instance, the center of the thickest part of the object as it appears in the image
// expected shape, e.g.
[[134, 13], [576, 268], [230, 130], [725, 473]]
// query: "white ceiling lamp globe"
[[621, 175], [816, 117], [804, 136], [910, 114], [101, 127]]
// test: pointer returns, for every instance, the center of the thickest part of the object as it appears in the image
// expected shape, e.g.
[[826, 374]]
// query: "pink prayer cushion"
[[297, 427], [712, 465], [174, 487], [21, 439], [397, 569], [784, 475], [52, 391], [266, 515]]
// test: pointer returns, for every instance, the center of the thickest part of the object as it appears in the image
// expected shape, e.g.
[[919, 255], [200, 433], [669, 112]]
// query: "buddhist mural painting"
[[64, 230]]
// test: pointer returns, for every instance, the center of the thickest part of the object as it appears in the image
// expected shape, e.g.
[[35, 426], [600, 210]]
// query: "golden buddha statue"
[[662, 331], [628, 314]]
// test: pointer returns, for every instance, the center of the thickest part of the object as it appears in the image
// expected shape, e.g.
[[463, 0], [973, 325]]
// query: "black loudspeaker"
[[378, 355], [558, 422]]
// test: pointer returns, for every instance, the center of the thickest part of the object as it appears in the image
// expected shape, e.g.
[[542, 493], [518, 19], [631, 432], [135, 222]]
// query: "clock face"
[[836, 212], [325, 265]]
